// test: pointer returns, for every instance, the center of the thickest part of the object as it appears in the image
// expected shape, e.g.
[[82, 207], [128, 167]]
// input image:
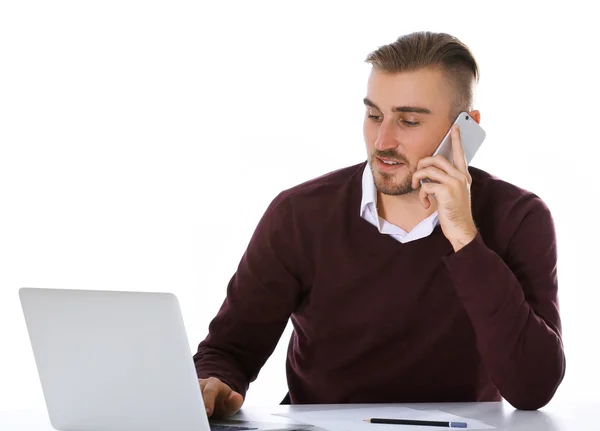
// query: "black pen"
[[417, 422]]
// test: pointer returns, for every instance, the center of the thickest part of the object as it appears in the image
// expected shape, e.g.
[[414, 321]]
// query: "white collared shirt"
[[368, 211]]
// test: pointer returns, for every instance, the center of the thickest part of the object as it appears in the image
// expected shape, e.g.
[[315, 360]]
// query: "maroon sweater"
[[378, 321]]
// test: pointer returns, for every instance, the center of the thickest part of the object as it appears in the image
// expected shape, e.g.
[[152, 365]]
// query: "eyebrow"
[[403, 108]]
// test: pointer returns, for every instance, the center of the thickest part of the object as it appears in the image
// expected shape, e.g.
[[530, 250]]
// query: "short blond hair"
[[426, 49]]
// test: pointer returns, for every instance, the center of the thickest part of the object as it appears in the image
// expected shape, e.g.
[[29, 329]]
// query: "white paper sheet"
[[353, 419]]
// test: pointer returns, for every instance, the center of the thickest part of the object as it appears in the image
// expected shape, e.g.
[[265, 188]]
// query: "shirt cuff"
[[472, 262]]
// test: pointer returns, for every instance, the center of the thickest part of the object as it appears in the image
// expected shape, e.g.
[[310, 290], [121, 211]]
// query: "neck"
[[404, 211]]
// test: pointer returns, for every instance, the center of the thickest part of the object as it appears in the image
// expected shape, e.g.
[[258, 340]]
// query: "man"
[[397, 292]]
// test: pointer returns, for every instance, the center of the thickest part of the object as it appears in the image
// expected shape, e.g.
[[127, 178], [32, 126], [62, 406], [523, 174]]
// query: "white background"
[[140, 143]]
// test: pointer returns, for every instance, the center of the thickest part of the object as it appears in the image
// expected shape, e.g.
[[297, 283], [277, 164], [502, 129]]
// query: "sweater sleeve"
[[513, 306], [261, 296]]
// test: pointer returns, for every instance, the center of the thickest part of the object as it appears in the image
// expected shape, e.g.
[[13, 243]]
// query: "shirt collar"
[[369, 199], [369, 194]]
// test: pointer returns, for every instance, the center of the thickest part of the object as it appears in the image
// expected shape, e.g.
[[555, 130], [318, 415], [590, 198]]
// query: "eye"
[[411, 123], [376, 118]]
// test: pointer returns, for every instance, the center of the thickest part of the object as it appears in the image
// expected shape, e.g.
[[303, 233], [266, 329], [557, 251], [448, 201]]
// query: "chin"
[[394, 188], [389, 185]]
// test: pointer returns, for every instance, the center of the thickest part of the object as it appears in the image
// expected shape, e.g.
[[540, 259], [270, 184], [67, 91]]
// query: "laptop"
[[118, 361]]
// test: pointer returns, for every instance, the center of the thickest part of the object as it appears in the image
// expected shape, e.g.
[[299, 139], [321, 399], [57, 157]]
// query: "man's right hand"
[[220, 400]]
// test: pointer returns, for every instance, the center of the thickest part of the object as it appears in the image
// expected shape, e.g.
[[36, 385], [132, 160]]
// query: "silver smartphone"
[[471, 138]]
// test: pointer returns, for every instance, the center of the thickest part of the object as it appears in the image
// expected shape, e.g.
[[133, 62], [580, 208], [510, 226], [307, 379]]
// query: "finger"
[[424, 198], [202, 384], [428, 192], [439, 162], [210, 394], [221, 409], [458, 152], [433, 173]]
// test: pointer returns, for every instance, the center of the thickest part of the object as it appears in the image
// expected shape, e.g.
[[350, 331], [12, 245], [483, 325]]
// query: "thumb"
[[233, 403]]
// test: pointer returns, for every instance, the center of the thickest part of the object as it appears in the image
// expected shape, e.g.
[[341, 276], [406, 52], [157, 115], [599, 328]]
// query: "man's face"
[[407, 115]]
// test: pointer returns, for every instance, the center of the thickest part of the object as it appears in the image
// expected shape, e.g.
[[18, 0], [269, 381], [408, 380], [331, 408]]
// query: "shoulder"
[[491, 192], [300, 214], [323, 190], [501, 208]]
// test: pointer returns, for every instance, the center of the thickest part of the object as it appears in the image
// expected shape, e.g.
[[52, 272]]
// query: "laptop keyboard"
[[229, 428]]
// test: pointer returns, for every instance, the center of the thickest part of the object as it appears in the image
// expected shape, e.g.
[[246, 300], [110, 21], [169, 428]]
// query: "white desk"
[[555, 417]]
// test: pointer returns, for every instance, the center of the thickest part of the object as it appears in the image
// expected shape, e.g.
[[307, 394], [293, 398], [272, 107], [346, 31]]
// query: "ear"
[[476, 115]]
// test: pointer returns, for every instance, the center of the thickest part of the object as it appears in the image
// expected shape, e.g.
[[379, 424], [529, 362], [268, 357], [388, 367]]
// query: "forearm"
[[522, 352], [242, 337]]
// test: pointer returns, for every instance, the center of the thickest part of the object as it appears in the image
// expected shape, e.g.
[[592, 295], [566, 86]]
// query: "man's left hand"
[[451, 190]]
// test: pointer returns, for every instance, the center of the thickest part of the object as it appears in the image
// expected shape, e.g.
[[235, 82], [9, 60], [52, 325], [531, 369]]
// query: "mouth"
[[386, 164]]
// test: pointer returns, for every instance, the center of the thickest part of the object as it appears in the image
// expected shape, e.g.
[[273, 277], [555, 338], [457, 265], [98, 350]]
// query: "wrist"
[[465, 238]]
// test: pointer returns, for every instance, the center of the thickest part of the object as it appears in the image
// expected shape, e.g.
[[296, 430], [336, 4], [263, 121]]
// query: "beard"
[[392, 184]]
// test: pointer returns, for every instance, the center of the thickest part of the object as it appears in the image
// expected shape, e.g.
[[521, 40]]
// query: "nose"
[[386, 138]]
